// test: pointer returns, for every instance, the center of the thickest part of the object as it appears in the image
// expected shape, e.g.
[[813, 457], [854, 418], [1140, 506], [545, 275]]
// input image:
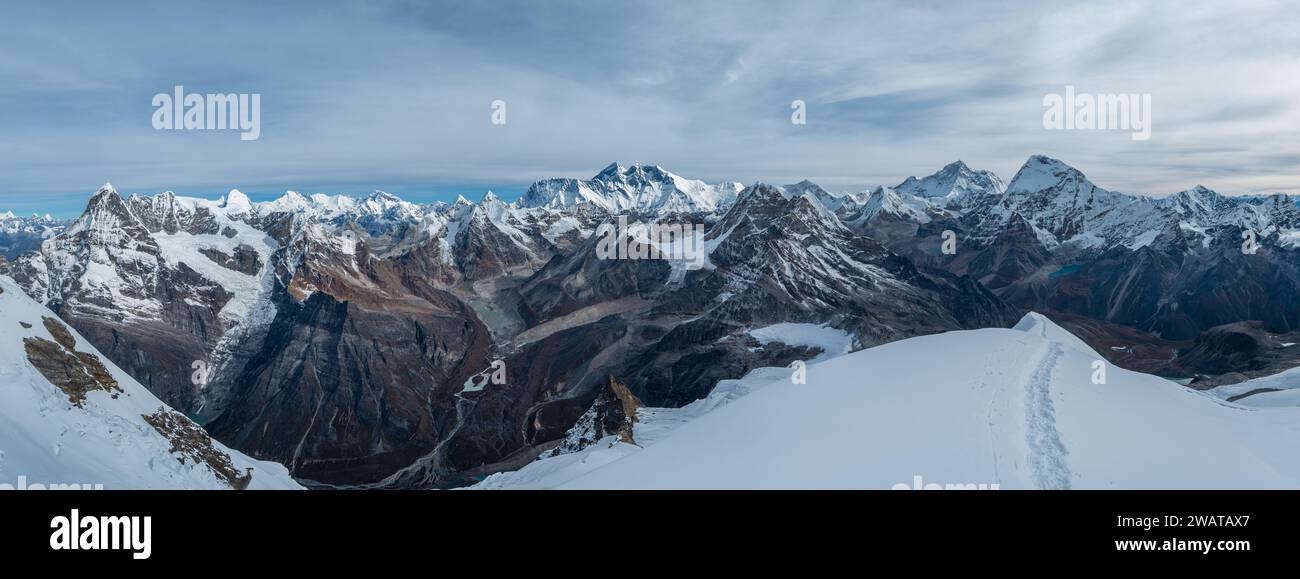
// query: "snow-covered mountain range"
[[19, 235], [341, 332]]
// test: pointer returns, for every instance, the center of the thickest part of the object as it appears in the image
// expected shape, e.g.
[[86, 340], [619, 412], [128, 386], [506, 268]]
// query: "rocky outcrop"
[[612, 414], [244, 259], [190, 443], [75, 373]]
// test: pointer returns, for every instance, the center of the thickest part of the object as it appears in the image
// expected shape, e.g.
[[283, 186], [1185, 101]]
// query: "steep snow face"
[[952, 183], [121, 436], [1013, 407], [637, 189]]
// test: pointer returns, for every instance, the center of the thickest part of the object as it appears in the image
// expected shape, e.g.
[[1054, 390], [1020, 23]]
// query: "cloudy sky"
[[358, 96]]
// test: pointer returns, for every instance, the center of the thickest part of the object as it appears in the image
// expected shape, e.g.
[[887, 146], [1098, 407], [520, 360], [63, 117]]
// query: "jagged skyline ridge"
[[619, 187]]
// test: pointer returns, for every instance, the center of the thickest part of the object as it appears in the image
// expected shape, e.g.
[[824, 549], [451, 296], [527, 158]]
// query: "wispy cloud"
[[397, 95]]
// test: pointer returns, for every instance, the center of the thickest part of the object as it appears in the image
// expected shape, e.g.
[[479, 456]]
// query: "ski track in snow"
[[1046, 459]]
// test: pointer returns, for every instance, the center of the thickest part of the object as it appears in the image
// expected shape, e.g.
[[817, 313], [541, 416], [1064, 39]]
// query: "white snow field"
[[1285, 386], [1013, 407], [832, 342], [45, 439]]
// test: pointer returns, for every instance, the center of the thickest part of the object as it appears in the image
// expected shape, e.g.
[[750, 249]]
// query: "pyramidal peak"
[[1041, 172], [237, 202], [610, 171]]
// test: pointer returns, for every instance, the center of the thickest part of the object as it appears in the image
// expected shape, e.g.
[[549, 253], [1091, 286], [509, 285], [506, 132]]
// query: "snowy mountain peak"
[[638, 188], [105, 199], [237, 202], [953, 182], [634, 172], [883, 201], [1041, 173], [291, 202], [1040, 159], [1197, 202], [611, 171], [831, 201], [761, 191], [637, 176]]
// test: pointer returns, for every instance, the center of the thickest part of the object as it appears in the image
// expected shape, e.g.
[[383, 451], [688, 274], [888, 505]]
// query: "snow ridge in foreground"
[[1013, 407]]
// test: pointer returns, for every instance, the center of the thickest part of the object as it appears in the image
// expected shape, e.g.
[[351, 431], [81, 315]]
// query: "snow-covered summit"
[[237, 202], [638, 188], [1065, 207], [883, 201], [951, 183]]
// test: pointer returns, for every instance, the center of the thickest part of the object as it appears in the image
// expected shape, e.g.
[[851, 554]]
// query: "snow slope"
[[1013, 407], [47, 438], [1285, 388], [833, 342]]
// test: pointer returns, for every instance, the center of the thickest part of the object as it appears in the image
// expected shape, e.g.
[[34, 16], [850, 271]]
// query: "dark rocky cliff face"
[[1171, 292], [346, 392]]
